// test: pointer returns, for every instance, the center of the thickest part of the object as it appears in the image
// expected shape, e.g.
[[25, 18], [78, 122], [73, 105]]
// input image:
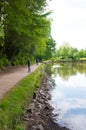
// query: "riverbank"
[[38, 114], [13, 104]]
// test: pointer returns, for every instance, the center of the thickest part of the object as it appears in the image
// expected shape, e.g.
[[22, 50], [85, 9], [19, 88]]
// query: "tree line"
[[24, 31], [69, 53]]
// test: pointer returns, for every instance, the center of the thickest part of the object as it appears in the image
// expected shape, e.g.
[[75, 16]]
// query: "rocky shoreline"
[[38, 115]]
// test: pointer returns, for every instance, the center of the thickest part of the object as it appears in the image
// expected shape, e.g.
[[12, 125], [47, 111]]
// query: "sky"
[[69, 22]]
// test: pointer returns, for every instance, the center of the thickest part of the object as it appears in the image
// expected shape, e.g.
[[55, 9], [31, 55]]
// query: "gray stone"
[[38, 127]]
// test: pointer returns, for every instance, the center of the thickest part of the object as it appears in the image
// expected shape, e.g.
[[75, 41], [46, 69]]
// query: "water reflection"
[[69, 69], [69, 95]]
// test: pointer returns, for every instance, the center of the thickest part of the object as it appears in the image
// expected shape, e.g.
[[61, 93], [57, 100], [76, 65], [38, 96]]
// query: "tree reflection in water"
[[69, 69]]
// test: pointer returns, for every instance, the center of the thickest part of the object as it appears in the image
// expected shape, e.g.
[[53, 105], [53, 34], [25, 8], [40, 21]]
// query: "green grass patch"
[[83, 59], [13, 105]]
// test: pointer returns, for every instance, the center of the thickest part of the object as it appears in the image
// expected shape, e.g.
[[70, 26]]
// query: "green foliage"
[[4, 62], [50, 48], [82, 53], [25, 29], [67, 52], [19, 59], [13, 105]]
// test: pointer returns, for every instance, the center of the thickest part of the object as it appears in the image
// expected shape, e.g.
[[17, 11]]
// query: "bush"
[[4, 62], [19, 60]]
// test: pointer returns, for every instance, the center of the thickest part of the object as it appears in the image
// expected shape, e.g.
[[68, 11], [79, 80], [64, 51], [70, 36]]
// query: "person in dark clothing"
[[37, 61], [28, 62]]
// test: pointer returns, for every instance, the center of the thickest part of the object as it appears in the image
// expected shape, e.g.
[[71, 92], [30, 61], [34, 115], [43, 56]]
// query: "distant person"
[[28, 62], [37, 61]]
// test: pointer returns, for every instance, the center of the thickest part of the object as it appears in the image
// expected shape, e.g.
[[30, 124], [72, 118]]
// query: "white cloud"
[[69, 22]]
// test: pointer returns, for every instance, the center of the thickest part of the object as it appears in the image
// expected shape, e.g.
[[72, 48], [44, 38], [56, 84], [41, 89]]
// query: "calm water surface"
[[69, 95]]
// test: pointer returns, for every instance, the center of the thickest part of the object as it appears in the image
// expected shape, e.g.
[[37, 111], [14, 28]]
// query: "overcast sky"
[[69, 22]]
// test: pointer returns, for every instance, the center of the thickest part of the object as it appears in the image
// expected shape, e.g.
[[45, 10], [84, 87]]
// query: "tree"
[[50, 48], [26, 28], [68, 52], [63, 51]]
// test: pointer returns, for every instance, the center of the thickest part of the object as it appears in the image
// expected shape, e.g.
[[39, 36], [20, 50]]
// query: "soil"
[[11, 75], [38, 114]]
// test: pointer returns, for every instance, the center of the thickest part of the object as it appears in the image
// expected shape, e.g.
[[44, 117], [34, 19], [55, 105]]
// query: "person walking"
[[37, 61], [28, 62]]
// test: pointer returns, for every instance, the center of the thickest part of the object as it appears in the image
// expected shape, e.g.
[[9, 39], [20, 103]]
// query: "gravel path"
[[10, 77]]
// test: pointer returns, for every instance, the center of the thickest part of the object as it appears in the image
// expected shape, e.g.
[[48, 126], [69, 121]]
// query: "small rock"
[[26, 119], [39, 127], [30, 108]]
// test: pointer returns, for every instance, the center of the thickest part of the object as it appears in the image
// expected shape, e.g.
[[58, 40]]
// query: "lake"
[[68, 95]]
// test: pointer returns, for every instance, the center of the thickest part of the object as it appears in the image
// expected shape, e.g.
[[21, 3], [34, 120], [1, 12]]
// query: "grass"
[[13, 105], [83, 59]]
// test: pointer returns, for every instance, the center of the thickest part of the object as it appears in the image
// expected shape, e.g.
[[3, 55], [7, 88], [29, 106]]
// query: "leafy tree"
[[1, 28], [25, 28], [63, 51], [81, 53], [68, 52], [50, 48]]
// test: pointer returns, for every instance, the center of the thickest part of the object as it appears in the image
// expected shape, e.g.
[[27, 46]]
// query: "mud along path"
[[11, 76]]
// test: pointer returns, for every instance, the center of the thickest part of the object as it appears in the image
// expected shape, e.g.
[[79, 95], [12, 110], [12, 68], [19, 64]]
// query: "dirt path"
[[10, 77]]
